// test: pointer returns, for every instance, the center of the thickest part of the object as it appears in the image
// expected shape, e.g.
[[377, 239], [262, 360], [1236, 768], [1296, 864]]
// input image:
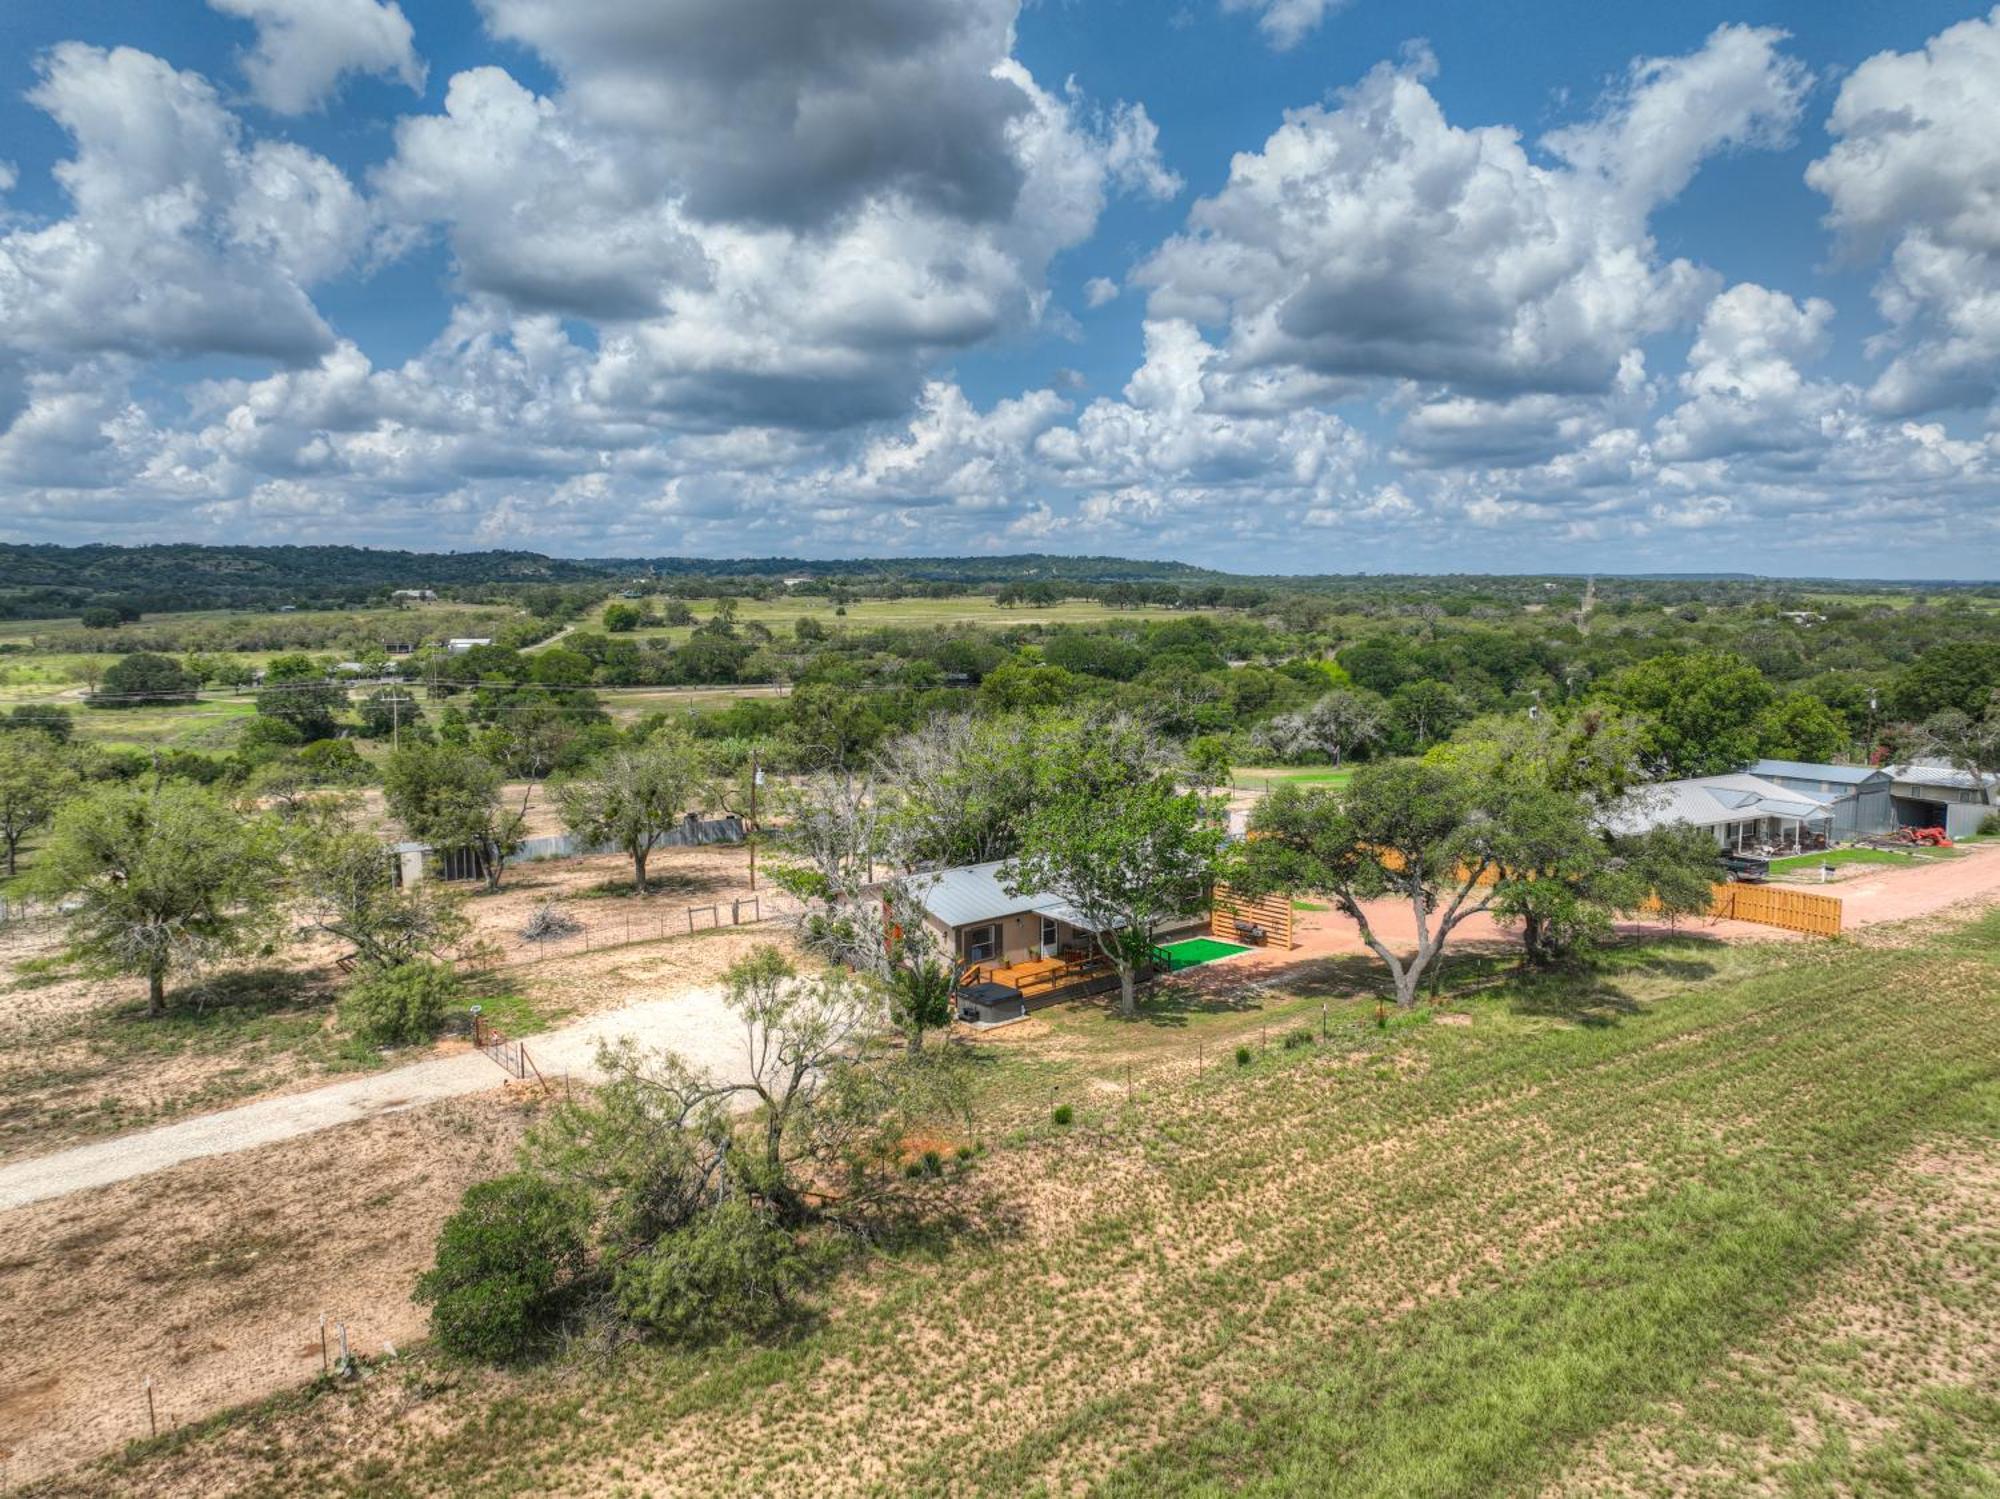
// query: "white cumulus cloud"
[[1915, 169], [305, 47]]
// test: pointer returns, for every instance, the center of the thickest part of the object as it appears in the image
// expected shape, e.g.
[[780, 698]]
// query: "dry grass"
[[211, 1278], [1426, 1258], [79, 1059]]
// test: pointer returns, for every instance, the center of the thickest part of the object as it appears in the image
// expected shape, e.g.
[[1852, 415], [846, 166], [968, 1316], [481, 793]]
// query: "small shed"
[[1858, 796]]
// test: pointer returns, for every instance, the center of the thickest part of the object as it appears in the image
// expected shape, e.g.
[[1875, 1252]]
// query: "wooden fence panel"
[[1793, 910], [1271, 912]]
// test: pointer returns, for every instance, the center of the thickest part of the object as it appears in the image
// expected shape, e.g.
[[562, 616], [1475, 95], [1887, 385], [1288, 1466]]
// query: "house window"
[[982, 943], [1048, 935]]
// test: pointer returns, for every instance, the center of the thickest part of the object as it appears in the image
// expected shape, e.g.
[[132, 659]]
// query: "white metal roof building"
[[972, 894], [1857, 795], [1741, 809]]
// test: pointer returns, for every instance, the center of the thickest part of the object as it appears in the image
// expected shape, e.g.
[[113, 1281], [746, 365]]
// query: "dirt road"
[[696, 1023], [1892, 893]]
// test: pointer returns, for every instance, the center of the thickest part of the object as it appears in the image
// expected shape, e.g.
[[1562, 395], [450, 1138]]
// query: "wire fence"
[[19, 913], [629, 927]]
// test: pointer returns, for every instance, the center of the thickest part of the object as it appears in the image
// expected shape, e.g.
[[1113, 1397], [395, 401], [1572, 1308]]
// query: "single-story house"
[[415, 595], [459, 645], [1008, 948], [977, 921], [1857, 795], [1933, 794], [1743, 811]]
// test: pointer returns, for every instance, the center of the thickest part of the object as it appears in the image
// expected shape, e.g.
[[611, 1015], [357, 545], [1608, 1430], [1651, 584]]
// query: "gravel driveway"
[[696, 1023]]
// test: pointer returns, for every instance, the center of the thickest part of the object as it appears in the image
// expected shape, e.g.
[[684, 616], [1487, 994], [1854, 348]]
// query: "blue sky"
[[1277, 285]]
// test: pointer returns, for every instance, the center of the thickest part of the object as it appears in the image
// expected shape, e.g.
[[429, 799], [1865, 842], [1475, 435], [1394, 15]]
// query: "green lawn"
[[1323, 775], [1702, 1219], [211, 724], [1808, 863], [1192, 951]]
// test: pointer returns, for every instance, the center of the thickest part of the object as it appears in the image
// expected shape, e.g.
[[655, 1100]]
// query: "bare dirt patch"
[[212, 1277]]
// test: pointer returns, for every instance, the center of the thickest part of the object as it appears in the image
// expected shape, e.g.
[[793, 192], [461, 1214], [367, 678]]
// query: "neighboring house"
[[1743, 811], [1858, 796], [415, 595], [464, 643], [1933, 794]]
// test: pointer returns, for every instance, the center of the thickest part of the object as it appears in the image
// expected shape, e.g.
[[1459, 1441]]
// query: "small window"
[[982, 943]]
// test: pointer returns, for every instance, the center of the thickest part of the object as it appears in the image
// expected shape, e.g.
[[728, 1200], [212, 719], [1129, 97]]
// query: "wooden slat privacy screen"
[[1271, 912]]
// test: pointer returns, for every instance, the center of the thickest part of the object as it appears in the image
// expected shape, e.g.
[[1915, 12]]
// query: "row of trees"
[[1123, 826]]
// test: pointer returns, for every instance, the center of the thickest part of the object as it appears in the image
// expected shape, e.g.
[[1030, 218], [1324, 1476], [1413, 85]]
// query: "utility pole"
[[755, 775], [395, 719]]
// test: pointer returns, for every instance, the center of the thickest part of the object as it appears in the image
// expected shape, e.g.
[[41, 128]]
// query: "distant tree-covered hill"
[[38, 581], [58, 581]]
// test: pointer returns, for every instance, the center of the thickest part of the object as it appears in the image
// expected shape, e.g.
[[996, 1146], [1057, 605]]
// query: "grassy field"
[[1322, 775], [1978, 599], [417, 616], [1705, 1219], [970, 609]]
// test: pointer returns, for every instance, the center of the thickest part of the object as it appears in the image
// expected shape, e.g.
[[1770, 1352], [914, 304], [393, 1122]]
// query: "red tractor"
[[1927, 837]]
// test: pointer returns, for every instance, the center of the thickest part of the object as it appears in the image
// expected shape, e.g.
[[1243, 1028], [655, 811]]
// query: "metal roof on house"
[[1930, 773], [1712, 801], [972, 893], [1846, 775]]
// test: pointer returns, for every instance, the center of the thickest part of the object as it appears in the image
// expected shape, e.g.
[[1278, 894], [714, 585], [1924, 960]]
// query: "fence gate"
[[509, 1055]]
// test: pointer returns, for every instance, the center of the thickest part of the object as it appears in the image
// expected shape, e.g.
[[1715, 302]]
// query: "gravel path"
[[696, 1023]]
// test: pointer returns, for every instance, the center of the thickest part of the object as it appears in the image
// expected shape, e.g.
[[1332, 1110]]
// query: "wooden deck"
[[1040, 977]]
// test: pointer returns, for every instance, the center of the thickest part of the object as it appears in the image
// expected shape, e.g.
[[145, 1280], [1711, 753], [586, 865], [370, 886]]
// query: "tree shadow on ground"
[[256, 991], [1172, 1002], [1598, 992], [671, 885], [236, 997]]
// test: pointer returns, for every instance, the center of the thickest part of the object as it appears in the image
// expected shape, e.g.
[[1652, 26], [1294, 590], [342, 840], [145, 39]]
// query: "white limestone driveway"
[[696, 1023]]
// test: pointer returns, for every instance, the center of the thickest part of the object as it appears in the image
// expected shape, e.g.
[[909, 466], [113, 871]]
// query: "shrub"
[[1988, 827], [403, 1005], [1064, 1115], [505, 1263], [1242, 1056], [730, 1270], [1297, 1038]]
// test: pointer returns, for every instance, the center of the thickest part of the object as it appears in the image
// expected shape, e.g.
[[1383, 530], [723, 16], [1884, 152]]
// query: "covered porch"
[[1776, 835]]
